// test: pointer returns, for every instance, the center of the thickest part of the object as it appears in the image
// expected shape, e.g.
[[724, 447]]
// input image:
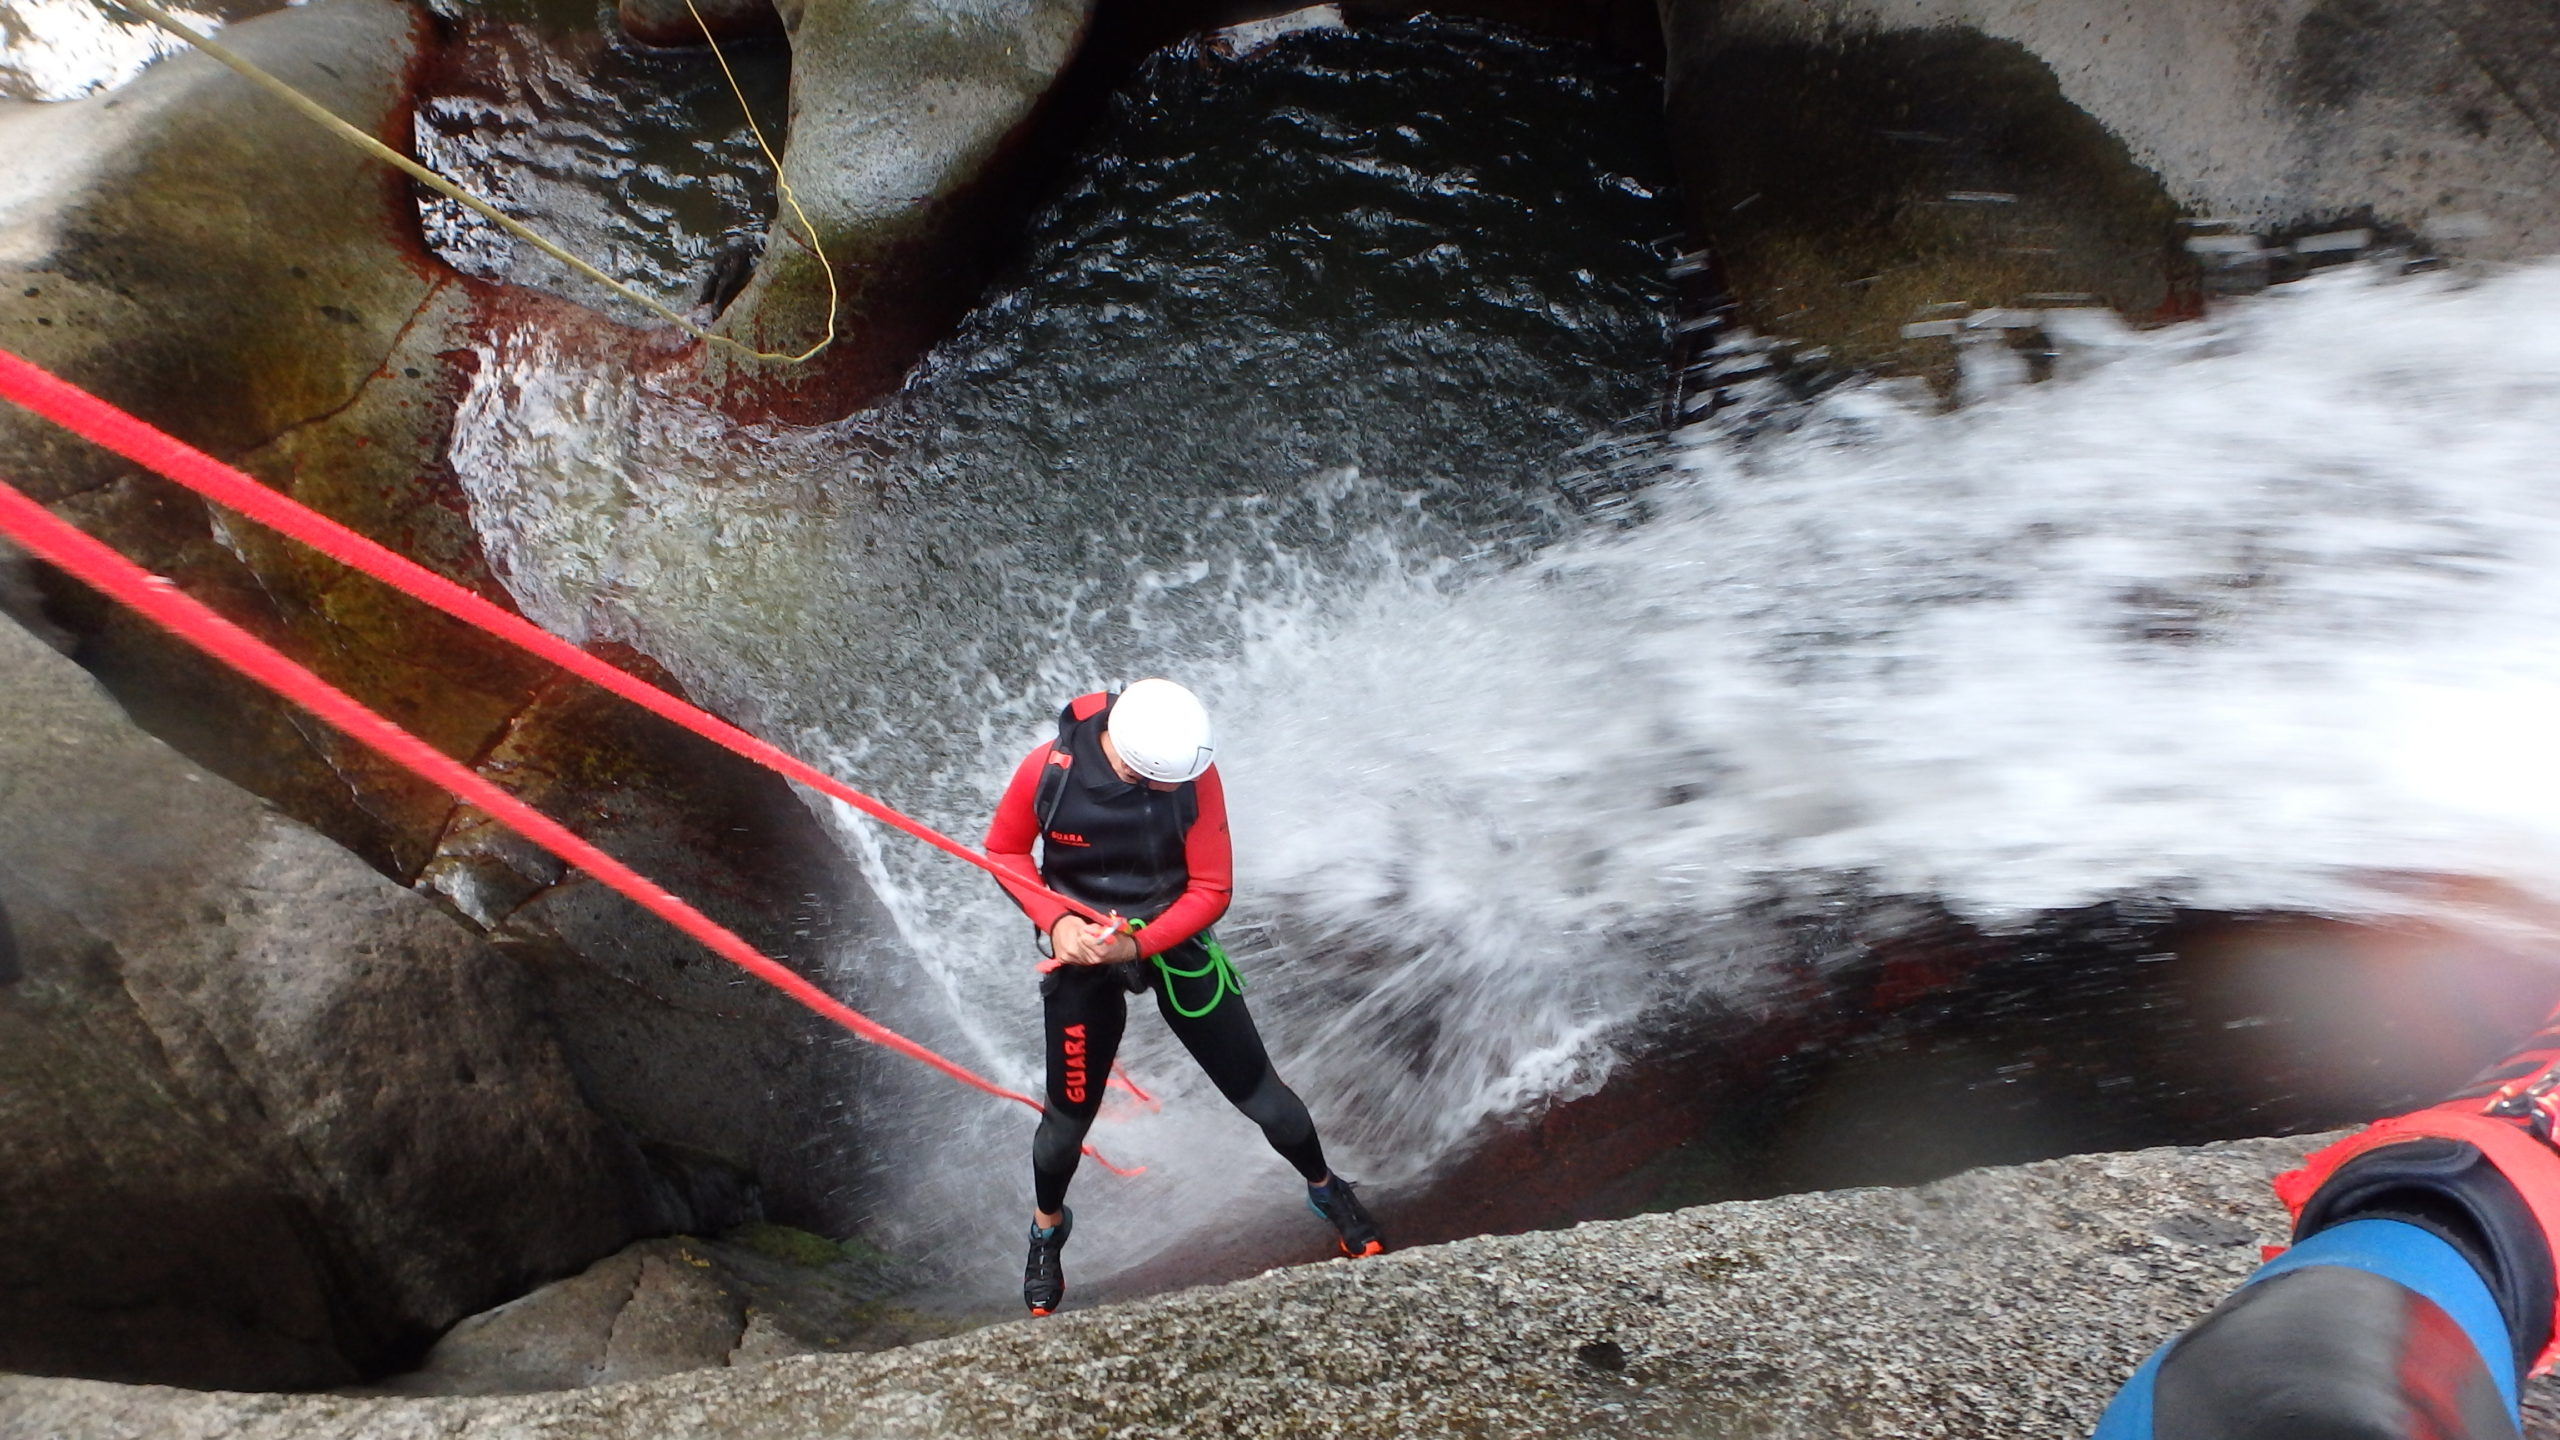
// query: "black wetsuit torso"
[[1115, 846]]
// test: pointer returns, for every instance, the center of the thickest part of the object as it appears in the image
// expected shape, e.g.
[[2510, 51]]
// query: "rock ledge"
[[2005, 1302]]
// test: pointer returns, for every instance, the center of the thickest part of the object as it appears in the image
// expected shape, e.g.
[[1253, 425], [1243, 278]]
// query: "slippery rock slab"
[[723, 1077], [265, 1116], [189, 243], [1999, 1303], [192, 249]]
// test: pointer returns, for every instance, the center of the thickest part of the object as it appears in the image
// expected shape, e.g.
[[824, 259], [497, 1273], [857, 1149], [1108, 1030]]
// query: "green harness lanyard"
[[1219, 965]]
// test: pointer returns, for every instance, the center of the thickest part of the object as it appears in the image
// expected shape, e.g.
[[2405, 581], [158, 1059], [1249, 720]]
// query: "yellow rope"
[[442, 186]]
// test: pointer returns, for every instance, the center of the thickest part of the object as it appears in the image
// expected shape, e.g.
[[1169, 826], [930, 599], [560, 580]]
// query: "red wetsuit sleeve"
[[1210, 857], [1011, 833]]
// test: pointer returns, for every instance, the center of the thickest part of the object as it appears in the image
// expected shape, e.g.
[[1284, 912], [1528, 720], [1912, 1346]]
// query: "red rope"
[[159, 599], [95, 420]]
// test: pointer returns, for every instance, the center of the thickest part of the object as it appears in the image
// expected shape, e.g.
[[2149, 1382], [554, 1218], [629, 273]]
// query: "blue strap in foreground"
[[2403, 1254]]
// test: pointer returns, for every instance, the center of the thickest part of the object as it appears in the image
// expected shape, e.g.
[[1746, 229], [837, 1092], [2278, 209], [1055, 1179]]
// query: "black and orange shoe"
[[1044, 1285], [1334, 1203]]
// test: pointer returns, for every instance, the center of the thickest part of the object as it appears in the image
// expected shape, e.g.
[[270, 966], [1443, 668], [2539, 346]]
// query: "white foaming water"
[[2258, 612], [64, 49]]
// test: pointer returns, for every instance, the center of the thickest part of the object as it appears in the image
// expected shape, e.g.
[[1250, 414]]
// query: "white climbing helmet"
[[1161, 731]]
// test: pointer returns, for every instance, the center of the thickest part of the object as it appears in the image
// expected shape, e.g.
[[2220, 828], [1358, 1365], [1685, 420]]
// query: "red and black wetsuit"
[[1153, 855]]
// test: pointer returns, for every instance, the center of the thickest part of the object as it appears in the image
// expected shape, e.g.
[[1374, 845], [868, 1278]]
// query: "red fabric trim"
[[2531, 1166], [1085, 707], [1009, 839]]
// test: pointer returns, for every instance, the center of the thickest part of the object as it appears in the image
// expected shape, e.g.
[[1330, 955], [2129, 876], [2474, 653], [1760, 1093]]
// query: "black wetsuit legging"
[[1086, 1010]]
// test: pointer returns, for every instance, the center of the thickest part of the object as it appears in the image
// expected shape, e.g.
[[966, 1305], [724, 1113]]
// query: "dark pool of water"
[[638, 160], [1428, 251]]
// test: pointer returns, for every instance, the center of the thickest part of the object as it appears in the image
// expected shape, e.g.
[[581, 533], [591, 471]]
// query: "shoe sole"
[[1374, 1247]]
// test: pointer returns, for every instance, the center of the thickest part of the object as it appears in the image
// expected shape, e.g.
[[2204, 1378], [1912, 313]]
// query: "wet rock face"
[[663, 1307], [205, 257], [897, 109], [720, 1076], [671, 22], [2436, 118], [266, 1118], [1866, 192], [1904, 1045]]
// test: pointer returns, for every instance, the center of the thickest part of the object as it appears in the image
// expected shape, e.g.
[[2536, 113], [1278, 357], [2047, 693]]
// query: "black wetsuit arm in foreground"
[[2418, 1294]]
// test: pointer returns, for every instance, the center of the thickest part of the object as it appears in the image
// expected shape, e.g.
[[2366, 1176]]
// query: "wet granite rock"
[[266, 1118], [197, 252], [899, 111], [729, 1084], [663, 1307], [1998, 1303], [1879, 177], [1870, 193], [2420, 113]]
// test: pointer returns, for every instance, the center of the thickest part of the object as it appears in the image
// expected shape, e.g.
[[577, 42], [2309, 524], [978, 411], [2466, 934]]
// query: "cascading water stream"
[[1299, 324], [2257, 612]]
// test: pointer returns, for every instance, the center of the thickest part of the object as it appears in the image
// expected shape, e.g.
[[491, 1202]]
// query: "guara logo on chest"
[[1065, 838]]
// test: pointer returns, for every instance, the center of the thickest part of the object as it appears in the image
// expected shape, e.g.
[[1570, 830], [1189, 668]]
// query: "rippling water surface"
[[65, 49], [636, 159]]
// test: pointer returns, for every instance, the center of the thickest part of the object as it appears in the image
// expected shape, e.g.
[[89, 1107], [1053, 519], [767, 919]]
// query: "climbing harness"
[[353, 135], [158, 598]]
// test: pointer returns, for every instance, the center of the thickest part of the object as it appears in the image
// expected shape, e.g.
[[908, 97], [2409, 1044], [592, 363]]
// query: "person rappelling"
[[1131, 818]]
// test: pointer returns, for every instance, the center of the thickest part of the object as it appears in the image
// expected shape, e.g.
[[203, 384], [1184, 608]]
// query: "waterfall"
[[2254, 612]]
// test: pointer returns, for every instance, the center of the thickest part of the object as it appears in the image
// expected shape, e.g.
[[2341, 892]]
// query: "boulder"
[[899, 109], [1823, 1315], [266, 1118], [663, 1307], [1871, 193], [1878, 177], [2433, 117]]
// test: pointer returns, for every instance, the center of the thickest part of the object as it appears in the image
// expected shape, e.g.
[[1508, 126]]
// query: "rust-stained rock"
[[197, 252], [194, 251]]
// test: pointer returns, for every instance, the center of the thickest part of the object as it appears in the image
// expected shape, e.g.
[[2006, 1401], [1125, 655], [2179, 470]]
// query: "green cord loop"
[[1219, 965]]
